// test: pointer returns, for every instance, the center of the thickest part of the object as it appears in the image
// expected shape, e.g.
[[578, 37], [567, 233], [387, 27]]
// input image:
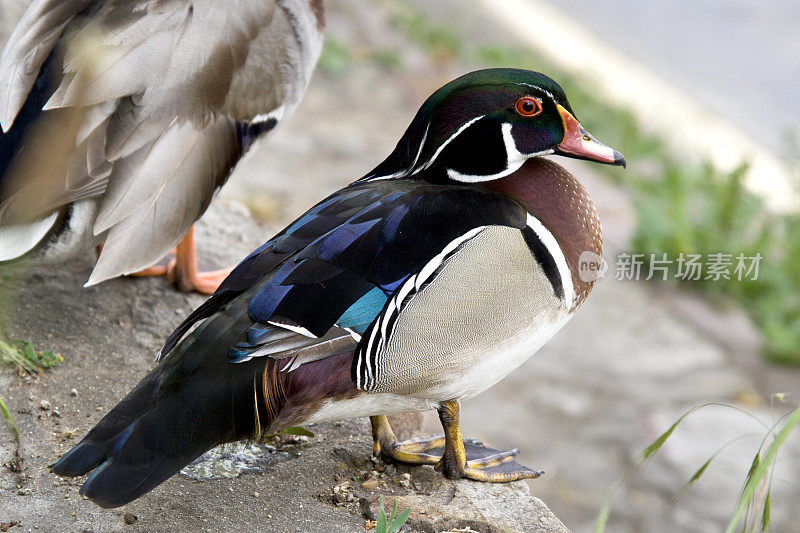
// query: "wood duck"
[[121, 119], [422, 283]]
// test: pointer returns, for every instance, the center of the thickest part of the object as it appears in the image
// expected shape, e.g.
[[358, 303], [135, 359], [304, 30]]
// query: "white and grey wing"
[[158, 192], [159, 85], [28, 47]]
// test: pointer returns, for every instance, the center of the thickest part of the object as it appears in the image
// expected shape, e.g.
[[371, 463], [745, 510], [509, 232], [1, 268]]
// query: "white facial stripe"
[[389, 177], [545, 91], [458, 132], [514, 160], [558, 256], [421, 146], [410, 170]]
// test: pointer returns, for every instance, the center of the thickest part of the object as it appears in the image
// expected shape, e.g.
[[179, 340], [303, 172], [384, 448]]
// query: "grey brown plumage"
[[160, 99]]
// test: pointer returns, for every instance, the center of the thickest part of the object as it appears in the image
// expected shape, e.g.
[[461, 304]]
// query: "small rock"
[[73, 392], [370, 484], [256, 494], [130, 518], [44, 405], [24, 492], [56, 413]]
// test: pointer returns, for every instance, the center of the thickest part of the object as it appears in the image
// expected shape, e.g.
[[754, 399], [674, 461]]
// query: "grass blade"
[[12, 425], [765, 513], [759, 469], [380, 523], [298, 430], [602, 518], [398, 522], [697, 475], [659, 442]]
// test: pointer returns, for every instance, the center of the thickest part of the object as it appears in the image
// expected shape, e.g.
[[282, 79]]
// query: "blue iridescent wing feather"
[[338, 263]]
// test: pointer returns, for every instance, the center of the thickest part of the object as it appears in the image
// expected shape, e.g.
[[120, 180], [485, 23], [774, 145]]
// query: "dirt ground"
[[108, 335]]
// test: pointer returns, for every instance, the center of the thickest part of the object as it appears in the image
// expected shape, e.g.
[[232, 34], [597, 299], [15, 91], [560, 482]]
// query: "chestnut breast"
[[554, 196]]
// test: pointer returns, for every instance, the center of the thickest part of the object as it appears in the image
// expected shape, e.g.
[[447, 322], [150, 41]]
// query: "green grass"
[[10, 423], [26, 357], [335, 58], [392, 523], [20, 353], [681, 207], [753, 506]]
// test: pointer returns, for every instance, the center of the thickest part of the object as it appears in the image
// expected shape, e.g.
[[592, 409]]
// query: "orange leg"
[[182, 271]]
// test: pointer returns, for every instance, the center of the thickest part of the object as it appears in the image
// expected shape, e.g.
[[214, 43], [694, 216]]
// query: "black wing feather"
[[368, 235]]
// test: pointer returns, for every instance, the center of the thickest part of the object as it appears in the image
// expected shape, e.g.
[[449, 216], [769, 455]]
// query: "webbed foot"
[[455, 457]]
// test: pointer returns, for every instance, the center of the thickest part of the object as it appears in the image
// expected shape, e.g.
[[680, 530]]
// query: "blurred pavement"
[[739, 58]]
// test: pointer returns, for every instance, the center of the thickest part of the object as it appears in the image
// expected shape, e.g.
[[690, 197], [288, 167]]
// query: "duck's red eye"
[[527, 106]]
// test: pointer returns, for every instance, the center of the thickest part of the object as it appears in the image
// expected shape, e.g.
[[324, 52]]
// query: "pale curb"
[[688, 128]]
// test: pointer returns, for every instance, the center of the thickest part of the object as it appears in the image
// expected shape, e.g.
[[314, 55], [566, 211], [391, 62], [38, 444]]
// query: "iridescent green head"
[[485, 124]]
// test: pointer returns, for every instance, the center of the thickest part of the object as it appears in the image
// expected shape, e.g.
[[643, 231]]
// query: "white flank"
[[18, 239], [488, 366], [555, 250], [370, 405]]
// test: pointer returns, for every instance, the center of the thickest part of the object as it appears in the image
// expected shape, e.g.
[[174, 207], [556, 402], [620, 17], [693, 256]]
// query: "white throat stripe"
[[514, 160], [558, 256]]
